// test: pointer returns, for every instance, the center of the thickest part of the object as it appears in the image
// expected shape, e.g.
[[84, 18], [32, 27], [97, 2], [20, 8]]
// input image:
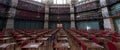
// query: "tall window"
[[60, 1], [38, 0], [83, 0], [79, 0]]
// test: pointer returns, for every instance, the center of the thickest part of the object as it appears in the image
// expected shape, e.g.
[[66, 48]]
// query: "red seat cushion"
[[83, 46], [111, 46], [23, 44], [114, 39]]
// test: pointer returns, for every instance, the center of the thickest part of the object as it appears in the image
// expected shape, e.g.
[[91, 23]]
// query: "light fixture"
[[88, 27], [78, 16]]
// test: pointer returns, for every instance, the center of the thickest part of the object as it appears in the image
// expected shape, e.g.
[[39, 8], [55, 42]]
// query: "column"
[[108, 22], [103, 2], [46, 17], [12, 11], [72, 16]]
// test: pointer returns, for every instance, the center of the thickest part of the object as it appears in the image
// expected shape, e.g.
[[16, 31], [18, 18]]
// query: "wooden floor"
[[73, 45], [75, 40]]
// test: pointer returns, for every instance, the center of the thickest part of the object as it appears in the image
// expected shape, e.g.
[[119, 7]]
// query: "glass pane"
[[88, 24], [59, 1], [117, 24], [79, 0], [55, 1], [38, 0]]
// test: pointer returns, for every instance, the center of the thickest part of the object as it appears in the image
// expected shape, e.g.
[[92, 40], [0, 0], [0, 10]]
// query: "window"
[[38, 0], [84, 0], [59, 25], [79, 0], [59, 1]]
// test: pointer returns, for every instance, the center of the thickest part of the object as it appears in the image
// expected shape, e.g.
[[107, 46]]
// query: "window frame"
[[59, 1], [38, 0]]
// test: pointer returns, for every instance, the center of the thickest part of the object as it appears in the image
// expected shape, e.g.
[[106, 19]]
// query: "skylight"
[[38, 0], [79, 0], [59, 1]]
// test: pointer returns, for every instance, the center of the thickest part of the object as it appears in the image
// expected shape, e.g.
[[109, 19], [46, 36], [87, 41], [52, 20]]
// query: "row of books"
[[30, 6], [3, 11], [60, 10], [5, 2], [29, 15], [59, 17], [112, 1], [86, 7], [88, 15], [115, 9]]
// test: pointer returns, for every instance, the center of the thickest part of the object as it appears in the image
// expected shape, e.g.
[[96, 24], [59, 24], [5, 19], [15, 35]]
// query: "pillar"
[[108, 22], [46, 17], [11, 15], [72, 15]]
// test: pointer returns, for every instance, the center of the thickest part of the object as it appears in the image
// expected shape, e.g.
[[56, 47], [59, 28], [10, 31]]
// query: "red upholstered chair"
[[87, 36], [76, 39], [53, 43], [23, 44], [18, 37], [79, 44], [60, 49], [36, 38], [1, 42], [114, 39], [95, 40], [43, 35], [105, 33], [115, 33], [101, 35], [111, 46], [1, 36], [83, 46]]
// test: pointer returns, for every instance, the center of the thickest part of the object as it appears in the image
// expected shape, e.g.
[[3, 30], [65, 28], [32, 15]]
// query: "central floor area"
[[54, 40], [59, 39]]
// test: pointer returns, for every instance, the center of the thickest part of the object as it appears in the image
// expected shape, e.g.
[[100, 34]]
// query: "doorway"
[[59, 25]]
